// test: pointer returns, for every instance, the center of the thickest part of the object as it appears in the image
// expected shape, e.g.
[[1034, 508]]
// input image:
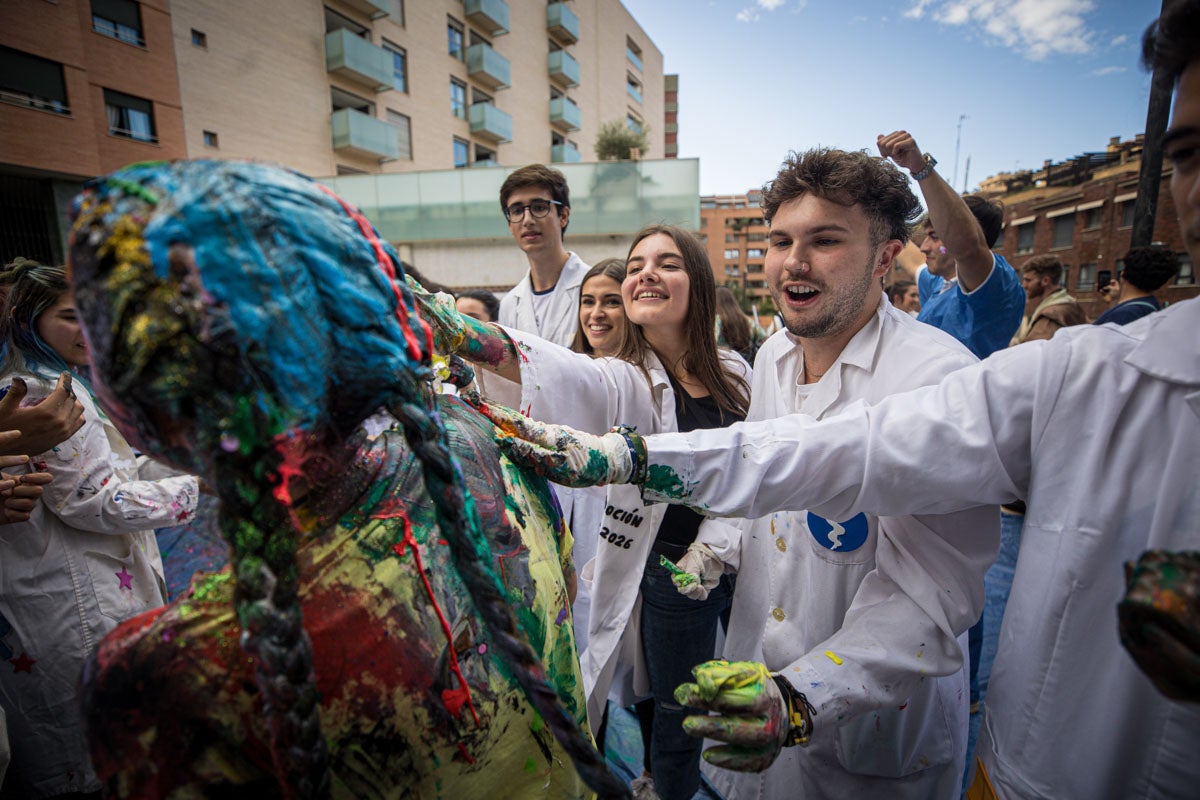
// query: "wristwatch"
[[930, 163]]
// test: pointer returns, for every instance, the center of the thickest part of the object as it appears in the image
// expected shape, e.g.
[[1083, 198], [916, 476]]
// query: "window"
[[754, 253], [633, 123], [199, 38], [999, 241], [344, 170], [461, 153], [458, 99], [730, 238], [210, 139], [396, 11], [454, 36], [633, 88], [337, 22], [1064, 231], [399, 66], [1095, 216], [1025, 238], [118, 19], [1186, 275], [1127, 214], [33, 82], [341, 99], [1087, 276], [633, 53], [404, 133], [732, 255], [484, 157], [129, 116]]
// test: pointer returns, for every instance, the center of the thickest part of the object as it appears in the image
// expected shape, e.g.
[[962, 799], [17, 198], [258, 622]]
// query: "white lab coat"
[[888, 596], [561, 319], [1098, 431], [593, 395], [86, 560]]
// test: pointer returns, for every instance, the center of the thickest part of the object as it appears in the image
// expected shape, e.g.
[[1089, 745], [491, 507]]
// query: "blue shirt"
[[1127, 312], [985, 319]]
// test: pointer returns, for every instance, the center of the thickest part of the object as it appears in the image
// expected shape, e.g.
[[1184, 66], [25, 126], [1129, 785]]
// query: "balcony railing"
[[363, 135], [355, 58], [488, 67], [562, 23], [565, 154], [565, 114], [489, 15], [372, 8], [489, 122], [564, 70]]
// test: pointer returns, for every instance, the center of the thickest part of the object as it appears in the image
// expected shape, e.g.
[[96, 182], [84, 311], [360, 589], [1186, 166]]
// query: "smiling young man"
[[537, 206], [863, 614]]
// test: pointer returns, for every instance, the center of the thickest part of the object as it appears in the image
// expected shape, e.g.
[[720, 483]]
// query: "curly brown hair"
[[848, 178]]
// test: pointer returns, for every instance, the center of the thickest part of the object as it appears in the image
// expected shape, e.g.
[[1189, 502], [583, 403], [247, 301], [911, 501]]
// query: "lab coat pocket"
[[894, 742], [124, 581]]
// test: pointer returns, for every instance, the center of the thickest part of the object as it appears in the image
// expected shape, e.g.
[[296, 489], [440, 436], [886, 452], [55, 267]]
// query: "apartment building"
[[735, 235], [1081, 210], [85, 88], [345, 87]]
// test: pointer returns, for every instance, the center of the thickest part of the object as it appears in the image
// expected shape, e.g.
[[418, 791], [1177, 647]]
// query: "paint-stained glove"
[[439, 310], [565, 455], [1160, 620], [698, 572], [756, 713]]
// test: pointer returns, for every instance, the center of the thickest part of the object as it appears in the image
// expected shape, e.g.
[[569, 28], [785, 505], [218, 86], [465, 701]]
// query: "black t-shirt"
[[680, 524]]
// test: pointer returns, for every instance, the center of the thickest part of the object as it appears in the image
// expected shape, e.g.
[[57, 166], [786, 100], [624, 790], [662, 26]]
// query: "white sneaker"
[[643, 788]]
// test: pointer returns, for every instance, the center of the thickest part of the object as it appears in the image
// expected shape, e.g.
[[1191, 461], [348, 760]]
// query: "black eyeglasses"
[[539, 209]]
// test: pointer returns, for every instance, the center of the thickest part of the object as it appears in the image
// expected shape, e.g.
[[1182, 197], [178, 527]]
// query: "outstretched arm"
[[457, 334], [952, 221]]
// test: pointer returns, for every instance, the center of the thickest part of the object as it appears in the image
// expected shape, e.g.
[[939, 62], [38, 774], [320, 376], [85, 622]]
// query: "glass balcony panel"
[[487, 67], [564, 70], [357, 133], [490, 123], [565, 154], [355, 58], [565, 114], [562, 23], [372, 8], [491, 16]]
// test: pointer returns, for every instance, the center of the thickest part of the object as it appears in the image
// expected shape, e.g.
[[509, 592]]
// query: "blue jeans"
[[677, 634]]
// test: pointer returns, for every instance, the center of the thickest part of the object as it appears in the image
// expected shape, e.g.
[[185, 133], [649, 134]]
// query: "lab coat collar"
[[1168, 349], [859, 352]]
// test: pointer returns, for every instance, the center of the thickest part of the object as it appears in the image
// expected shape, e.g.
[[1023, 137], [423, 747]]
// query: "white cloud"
[[1111, 70], [1119, 40], [747, 15], [1035, 28], [750, 13], [770, 5]]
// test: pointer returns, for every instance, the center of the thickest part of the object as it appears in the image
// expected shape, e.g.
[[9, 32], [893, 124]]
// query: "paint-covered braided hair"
[[243, 321]]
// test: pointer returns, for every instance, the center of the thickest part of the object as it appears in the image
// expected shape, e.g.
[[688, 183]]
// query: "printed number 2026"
[[615, 539]]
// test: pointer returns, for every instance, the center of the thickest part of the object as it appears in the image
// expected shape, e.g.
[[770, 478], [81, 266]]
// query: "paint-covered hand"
[[751, 713], [438, 309], [565, 455], [699, 571], [1160, 620]]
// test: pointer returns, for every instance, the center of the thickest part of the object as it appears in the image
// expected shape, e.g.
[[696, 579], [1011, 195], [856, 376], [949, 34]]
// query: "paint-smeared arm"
[[457, 334]]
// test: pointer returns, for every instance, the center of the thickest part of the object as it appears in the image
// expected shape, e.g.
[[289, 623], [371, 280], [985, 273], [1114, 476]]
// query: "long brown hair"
[[701, 359], [610, 268], [735, 328]]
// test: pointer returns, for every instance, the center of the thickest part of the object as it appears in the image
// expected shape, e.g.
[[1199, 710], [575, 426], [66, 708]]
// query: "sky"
[[1006, 83]]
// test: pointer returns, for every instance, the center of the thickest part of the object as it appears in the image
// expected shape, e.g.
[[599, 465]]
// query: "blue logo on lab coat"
[[839, 536]]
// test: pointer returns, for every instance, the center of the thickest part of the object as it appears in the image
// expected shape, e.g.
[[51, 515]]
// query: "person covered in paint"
[[1069, 714], [85, 560], [668, 375], [403, 625]]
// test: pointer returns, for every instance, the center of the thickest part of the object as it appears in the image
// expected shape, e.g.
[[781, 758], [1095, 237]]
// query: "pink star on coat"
[[125, 578]]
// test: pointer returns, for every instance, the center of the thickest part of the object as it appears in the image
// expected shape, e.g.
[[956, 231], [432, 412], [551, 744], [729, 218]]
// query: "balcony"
[[564, 70], [359, 134], [487, 67], [562, 23], [564, 154], [356, 59], [490, 123], [490, 16], [565, 114], [372, 8]]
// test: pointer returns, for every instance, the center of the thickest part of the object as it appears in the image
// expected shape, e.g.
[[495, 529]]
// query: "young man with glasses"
[[537, 206]]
